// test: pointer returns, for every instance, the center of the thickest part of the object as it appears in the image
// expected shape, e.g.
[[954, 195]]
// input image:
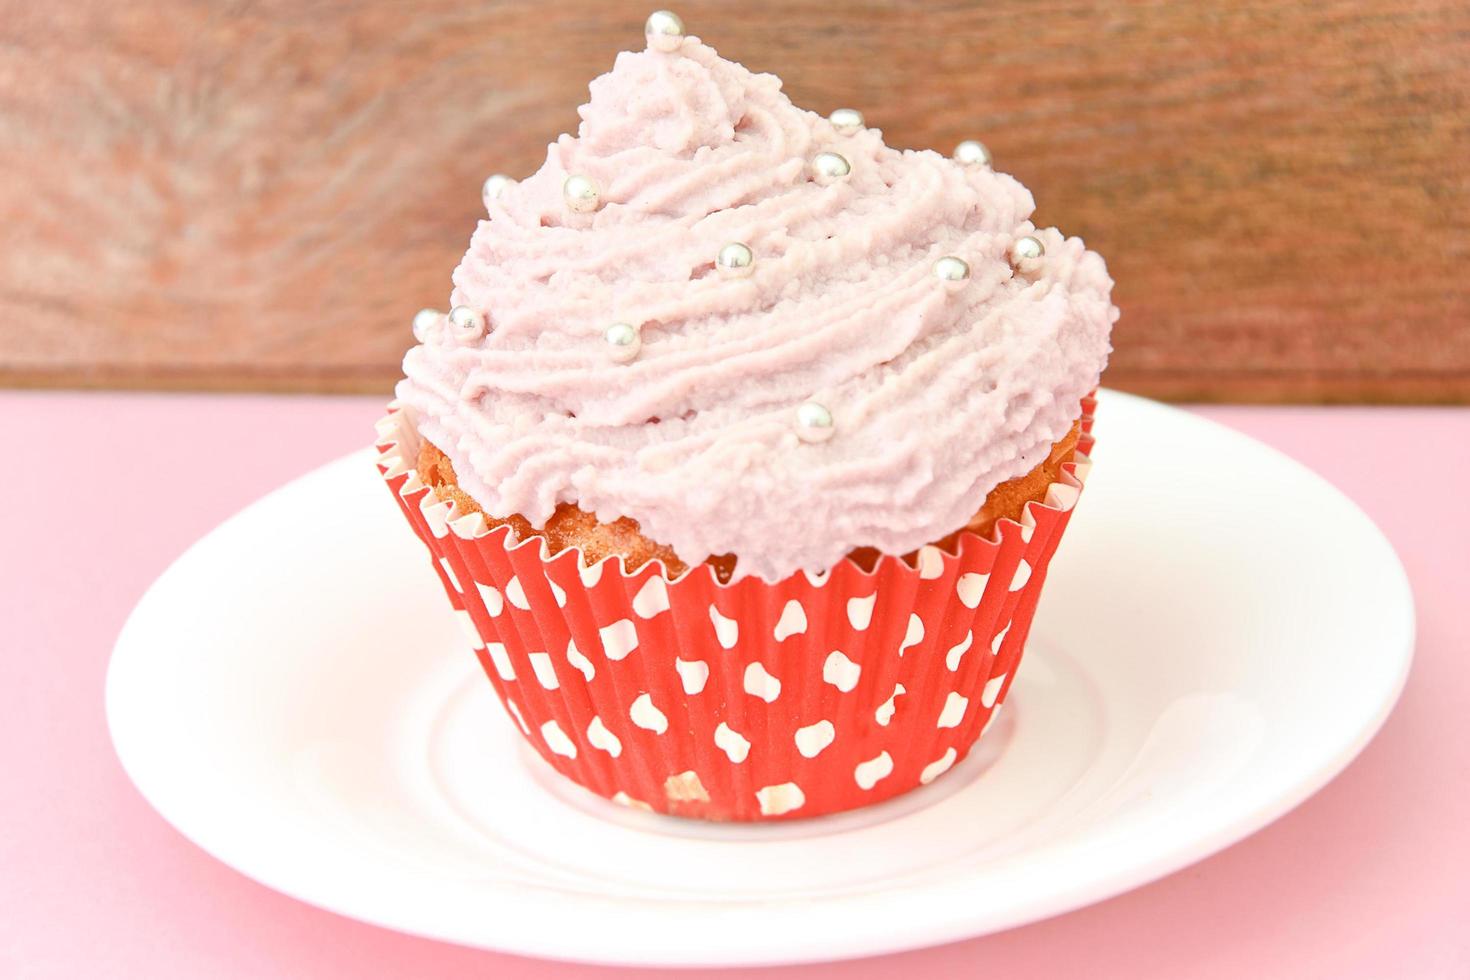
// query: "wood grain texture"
[[259, 195]]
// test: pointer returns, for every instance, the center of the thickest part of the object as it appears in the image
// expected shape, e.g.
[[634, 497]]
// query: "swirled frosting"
[[937, 396]]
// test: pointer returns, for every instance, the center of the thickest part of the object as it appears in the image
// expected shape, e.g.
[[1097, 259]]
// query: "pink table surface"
[[1370, 878]]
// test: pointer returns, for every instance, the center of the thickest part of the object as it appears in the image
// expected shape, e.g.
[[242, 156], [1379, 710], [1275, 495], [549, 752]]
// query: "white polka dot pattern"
[[623, 799], [956, 652], [792, 621], [938, 767], [653, 598], [449, 574], [557, 741], [840, 672], [685, 787], [468, 628], [579, 661], [727, 631], [764, 712], [1022, 576], [600, 738], [619, 639], [931, 562], [779, 799], [693, 675], [869, 773], [545, 673], [490, 596], [971, 588], [759, 683], [500, 657], [912, 636], [954, 710], [886, 710], [811, 740], [520, 719], [645, 715], [735, 746], [992, 690]]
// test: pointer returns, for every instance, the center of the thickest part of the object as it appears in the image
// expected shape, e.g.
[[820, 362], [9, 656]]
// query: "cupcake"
[[746, 443]]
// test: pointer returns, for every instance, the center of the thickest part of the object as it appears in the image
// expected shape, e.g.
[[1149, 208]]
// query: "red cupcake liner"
[[748, 701]]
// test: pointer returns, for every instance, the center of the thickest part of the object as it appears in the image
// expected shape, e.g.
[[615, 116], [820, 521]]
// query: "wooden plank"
[[258, 196]]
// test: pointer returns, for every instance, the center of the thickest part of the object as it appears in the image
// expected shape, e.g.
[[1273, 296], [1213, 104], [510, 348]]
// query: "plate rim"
[[940, 922]]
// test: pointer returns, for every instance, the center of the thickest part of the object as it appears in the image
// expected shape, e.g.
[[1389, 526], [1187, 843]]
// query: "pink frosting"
[[937, 396]]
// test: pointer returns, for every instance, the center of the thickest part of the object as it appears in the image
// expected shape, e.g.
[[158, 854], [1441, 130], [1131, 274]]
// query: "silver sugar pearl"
[[735, 260], [581, 193], [846, 121], [494, 186], [1026, 253], [972, 152], [829, 167], [424, 322], [623, 341], [951, 270], [467, 323], [813, 422], [664, 30]]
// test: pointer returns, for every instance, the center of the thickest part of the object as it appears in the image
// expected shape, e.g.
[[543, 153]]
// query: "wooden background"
[[259, 195]]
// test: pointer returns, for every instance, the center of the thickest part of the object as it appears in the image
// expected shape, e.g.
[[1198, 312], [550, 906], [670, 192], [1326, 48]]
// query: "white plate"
[[1222, 632]]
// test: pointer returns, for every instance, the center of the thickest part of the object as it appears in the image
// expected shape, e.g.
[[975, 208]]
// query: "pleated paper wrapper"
[[748, 701]]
